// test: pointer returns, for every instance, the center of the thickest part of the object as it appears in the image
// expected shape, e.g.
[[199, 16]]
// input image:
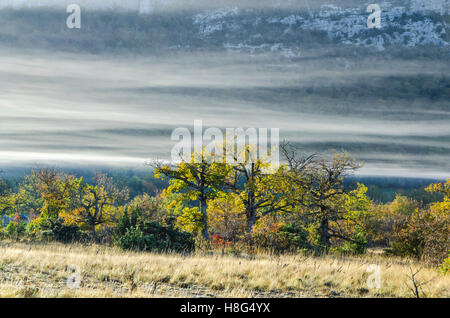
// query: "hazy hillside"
[[267, 26], [112, 92]]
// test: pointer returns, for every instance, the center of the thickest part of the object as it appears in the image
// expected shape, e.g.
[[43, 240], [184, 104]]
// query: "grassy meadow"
[[42, 270]]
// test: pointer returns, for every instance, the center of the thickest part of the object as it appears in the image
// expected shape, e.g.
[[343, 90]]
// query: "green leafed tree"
[[196, 180], [96, 204], [261, 187]]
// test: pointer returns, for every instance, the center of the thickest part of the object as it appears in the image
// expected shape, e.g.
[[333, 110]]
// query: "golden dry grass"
[[41, 270]]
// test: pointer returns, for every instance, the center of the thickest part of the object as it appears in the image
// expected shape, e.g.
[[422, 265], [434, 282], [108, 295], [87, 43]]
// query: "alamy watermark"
[[74, 19], [374, 279], [231, 145], [374, 19], [74, 278]]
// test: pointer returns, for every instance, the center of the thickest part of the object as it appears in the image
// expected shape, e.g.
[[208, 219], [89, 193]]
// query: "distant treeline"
[[141, 181]]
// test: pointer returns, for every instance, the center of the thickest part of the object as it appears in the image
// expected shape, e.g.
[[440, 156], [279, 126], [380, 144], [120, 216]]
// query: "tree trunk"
[[325, 234], [251, 220], [251, 211], [204, 219]]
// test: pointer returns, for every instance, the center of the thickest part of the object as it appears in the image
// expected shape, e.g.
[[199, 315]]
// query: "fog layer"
[[115, 105]]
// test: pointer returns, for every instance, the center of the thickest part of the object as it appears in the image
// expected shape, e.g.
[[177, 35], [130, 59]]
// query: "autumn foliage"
[[300, 207]]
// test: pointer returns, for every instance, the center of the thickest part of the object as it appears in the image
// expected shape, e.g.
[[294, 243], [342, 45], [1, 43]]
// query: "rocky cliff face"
[[284, 27]]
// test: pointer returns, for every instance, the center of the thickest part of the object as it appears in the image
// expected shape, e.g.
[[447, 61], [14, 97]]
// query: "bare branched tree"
[[416, 285], [317, 186]]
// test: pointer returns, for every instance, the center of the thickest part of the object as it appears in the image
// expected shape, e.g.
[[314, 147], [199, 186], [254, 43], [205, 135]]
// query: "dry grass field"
[[42, 270]]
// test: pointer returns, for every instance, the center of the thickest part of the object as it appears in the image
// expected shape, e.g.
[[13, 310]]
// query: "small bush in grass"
[[281, 237], [135, 239], [136, 233], [445, 266], [356, 246], [425, 236], [54, 229], [15, 228]]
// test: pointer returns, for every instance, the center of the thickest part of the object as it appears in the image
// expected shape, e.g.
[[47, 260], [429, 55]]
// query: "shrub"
[[386, 218], [356, 246], [445, 266], [291, 237], [219, 241], [226, 217], [281, 237], [54, 229], [402, 205], [15, 229], [137, 233], [425, 235], [134, 239]]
